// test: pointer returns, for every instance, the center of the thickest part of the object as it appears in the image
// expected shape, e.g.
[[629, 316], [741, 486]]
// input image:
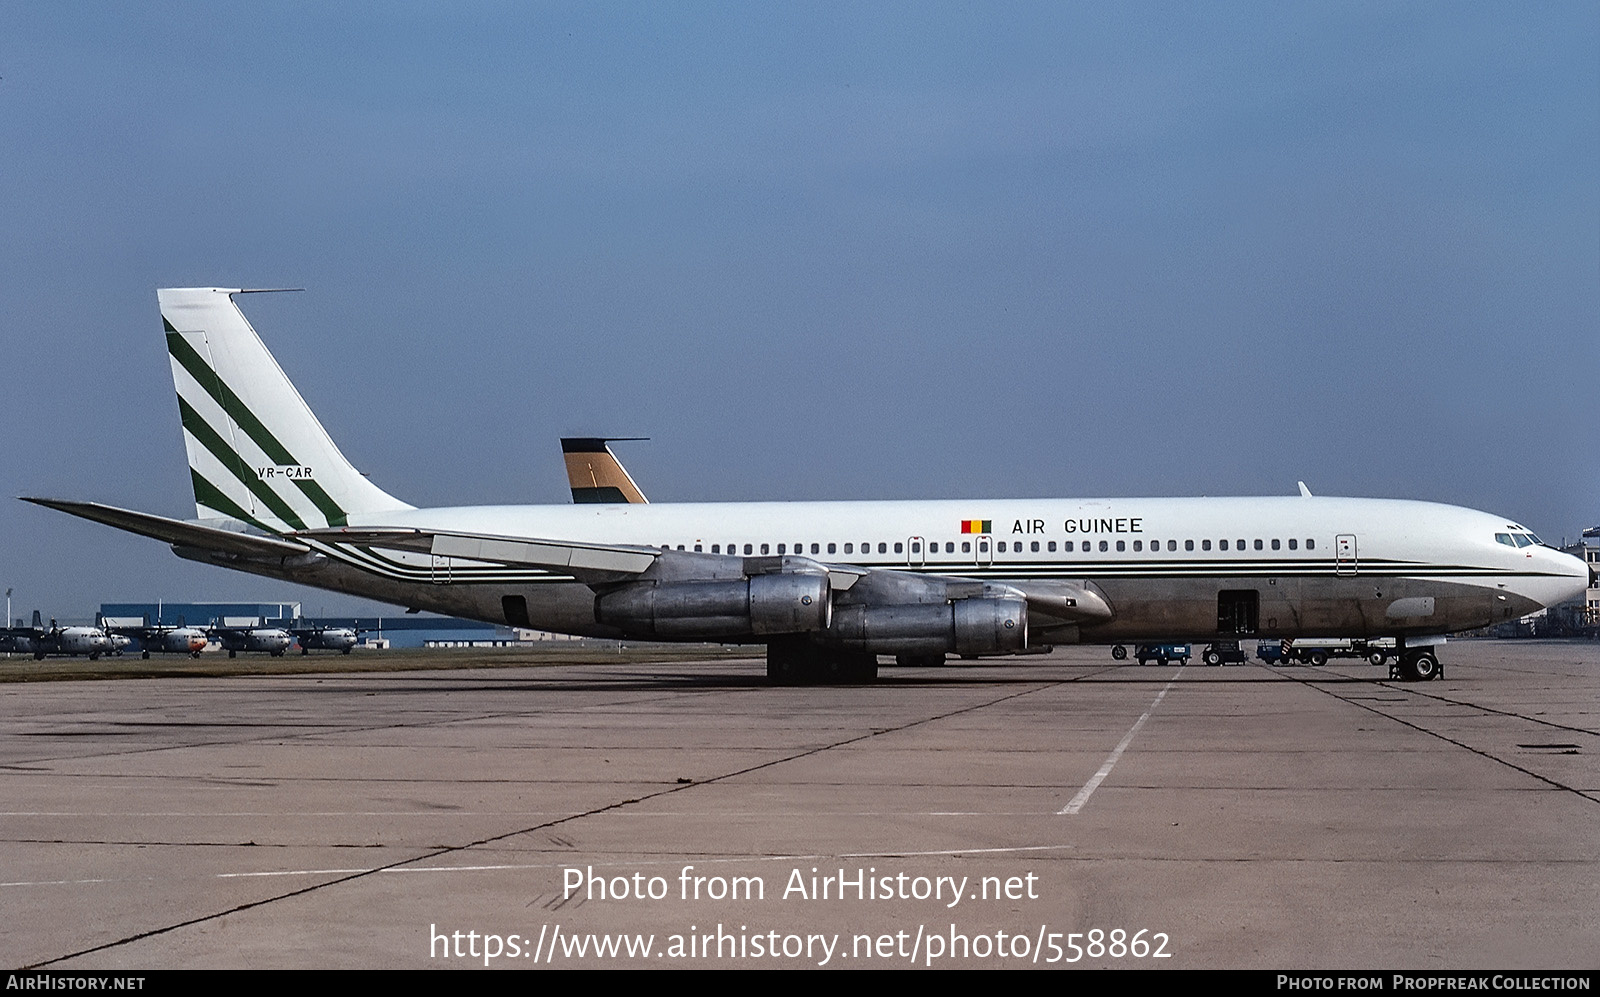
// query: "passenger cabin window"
[[1222, 545], [1205, 545], [833, 548], [849, 548], [1311, 545], [1258, 545], [1103, 546], [1293, 544], [1122, 545], [1188, 545], [1274, 545]]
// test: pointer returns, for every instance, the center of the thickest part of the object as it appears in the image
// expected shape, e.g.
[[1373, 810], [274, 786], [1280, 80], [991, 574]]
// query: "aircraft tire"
[[1119, 652], [1422, 666], [860, 669], [788, 663], [799, 662]]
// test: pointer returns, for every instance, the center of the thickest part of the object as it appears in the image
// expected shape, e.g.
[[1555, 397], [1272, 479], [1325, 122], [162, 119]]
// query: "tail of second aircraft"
[[257, 454], [595, 474]]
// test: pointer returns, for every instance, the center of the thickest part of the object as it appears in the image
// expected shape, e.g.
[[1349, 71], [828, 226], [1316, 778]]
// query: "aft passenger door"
[[1344, 554]]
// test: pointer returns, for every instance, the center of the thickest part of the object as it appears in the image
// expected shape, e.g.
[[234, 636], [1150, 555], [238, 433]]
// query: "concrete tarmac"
[[1063, 810]]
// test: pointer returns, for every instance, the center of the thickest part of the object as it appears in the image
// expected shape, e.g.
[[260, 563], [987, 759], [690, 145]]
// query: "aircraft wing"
[[585, 561], [176, 531], [588, 562]]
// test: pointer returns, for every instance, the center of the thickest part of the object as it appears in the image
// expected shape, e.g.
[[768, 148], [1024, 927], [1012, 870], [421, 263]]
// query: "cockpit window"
[[1505, 538], [1523, 540]]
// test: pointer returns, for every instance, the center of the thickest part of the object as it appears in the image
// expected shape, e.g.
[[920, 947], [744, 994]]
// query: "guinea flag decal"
[[977, 526]]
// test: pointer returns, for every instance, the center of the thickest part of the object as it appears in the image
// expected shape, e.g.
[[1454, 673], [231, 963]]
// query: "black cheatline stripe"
[[246, 420], [210, 496], [212, 441], [369, 561]]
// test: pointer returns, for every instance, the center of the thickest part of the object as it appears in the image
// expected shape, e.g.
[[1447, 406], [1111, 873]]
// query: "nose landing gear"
[[1416, 665]]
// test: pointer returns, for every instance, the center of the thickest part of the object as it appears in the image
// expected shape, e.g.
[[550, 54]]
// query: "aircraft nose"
[[1584, 574]]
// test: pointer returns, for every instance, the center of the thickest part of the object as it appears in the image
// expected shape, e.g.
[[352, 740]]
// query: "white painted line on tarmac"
[[1116, 753]]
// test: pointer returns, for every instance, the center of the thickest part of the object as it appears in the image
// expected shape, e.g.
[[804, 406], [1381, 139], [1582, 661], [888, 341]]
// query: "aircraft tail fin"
[[257, 454], [595, 474], [38, 621]]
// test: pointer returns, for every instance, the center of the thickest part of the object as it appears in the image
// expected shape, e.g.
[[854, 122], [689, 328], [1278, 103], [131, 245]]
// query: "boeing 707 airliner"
[[825, 586]]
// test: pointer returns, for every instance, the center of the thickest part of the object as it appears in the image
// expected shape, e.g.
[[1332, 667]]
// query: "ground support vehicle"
[[1316, 651], [1224, 652], [1161, 654], [1272, 652]]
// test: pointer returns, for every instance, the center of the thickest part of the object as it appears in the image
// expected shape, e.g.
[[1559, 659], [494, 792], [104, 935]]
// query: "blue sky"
[[812, 250]]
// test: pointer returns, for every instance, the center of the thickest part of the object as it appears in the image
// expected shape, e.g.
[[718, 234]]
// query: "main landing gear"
[[800, 662]]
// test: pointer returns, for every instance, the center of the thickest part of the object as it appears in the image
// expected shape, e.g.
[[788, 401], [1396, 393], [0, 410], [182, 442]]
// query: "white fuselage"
[[1322, 566]]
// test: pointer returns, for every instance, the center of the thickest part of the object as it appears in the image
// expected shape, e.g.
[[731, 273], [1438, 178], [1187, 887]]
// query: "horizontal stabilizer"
[[175, 531]]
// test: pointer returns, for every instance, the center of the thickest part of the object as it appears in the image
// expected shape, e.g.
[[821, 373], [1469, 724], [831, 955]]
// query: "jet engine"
[[964, 626], [786, 603]]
